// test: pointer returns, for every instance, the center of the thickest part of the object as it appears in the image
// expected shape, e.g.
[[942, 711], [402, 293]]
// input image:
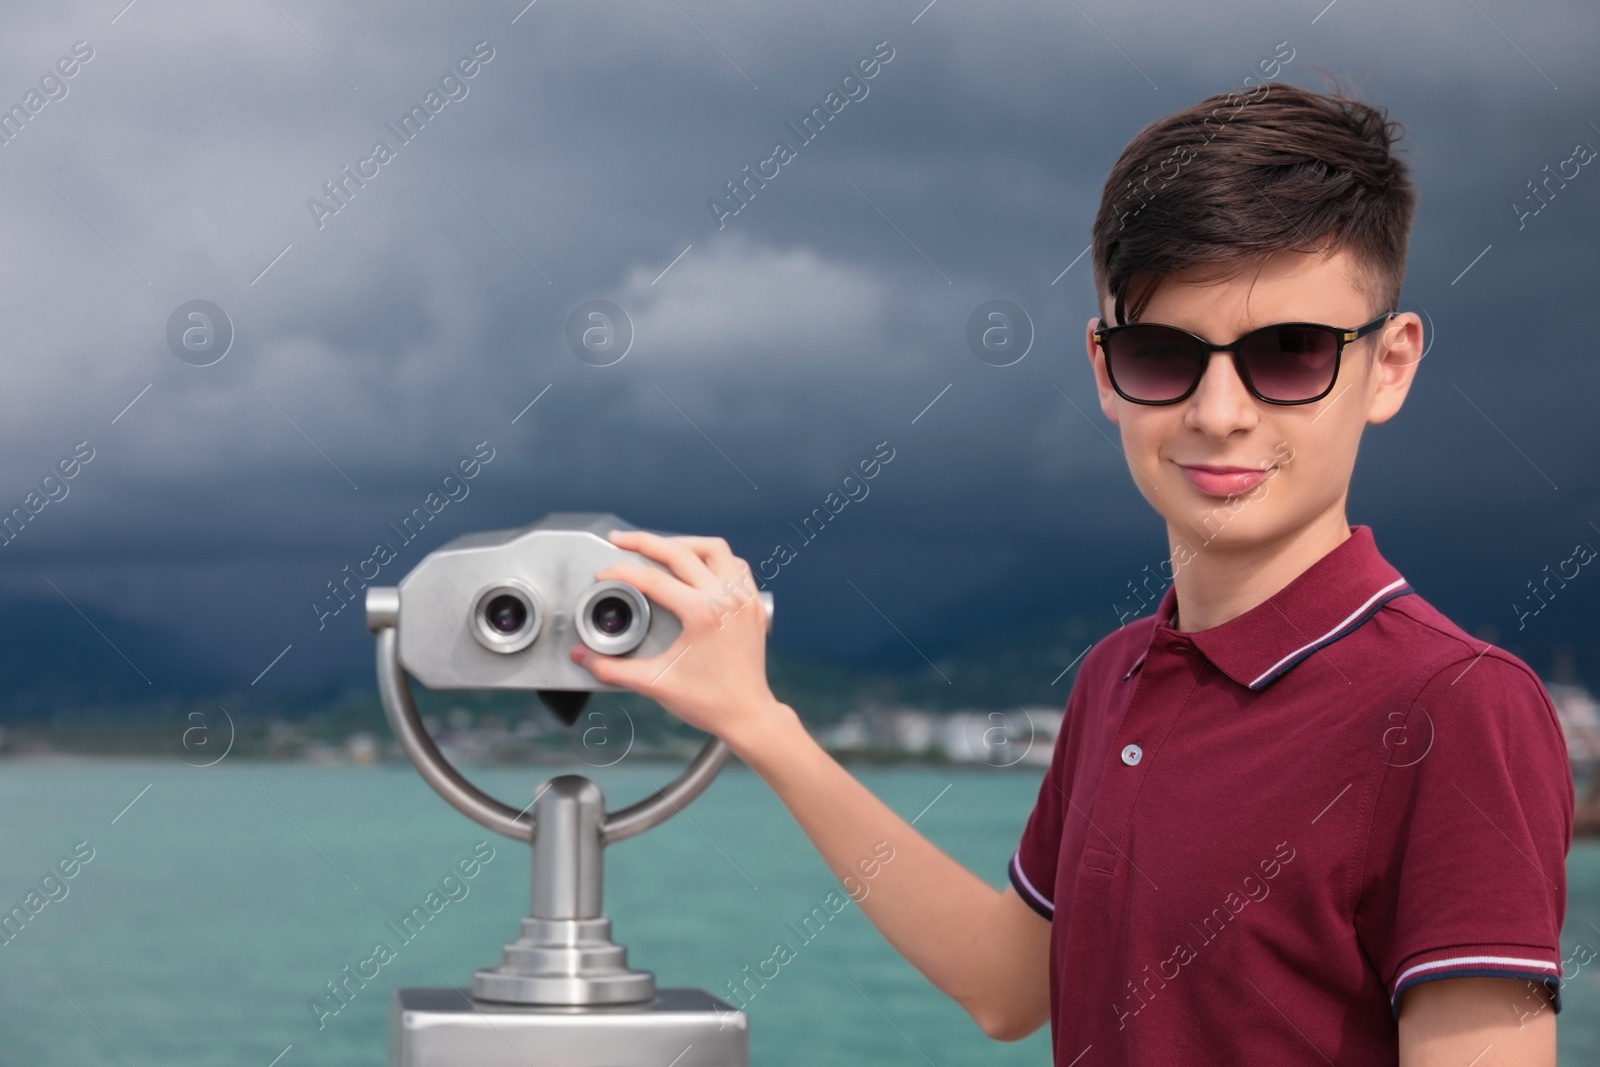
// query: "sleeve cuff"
[[1479, 961], [1025, 889]]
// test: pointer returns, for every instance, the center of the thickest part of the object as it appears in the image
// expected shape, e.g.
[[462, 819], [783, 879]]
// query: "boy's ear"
[[1102, 381], [1392, 366]]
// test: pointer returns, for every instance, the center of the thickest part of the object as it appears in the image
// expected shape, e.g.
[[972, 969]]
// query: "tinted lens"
[[1290, 362], [612, 615], [1152, 362]]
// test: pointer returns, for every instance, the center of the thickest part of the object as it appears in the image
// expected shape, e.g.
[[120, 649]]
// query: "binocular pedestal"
[[565, 954], [563, 993]]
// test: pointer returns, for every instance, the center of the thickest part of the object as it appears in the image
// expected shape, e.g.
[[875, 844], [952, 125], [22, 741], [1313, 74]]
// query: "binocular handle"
[[394, 687]]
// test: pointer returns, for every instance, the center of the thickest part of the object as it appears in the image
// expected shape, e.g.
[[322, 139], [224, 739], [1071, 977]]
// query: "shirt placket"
[[1096, 937], [1164, 683]]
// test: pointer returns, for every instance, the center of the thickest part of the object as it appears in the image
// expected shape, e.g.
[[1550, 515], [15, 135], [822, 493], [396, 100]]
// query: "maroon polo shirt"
[[1253, 838]]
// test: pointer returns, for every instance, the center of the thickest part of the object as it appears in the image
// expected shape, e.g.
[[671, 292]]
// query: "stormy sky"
[[369, 344]]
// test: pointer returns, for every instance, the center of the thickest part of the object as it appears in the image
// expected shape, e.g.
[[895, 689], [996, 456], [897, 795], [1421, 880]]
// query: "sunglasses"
[[1286, 363]]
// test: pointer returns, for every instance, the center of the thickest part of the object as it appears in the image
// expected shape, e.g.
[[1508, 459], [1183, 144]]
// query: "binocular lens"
[[506, 613], [612, 615], [506, 617]]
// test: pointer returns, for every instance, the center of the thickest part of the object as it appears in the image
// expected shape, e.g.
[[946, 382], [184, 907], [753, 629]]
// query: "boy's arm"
[[983, 947], [1487, 1022]]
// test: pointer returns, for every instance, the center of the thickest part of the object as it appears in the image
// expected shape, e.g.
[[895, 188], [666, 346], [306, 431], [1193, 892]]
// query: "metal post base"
[[682, 1027], [564, 961]]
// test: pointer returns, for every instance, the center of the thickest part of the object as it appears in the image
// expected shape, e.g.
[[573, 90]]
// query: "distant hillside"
[[1021, 664], [52, 657], [55, 665]]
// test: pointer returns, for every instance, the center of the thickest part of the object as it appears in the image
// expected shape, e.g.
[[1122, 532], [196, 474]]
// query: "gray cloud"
[[431, 309]]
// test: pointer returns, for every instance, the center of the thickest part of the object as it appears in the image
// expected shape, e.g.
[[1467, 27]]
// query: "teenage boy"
[[1294, 815]]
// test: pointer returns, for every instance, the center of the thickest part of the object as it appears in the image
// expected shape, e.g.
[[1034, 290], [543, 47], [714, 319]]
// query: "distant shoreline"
[[849, 759]]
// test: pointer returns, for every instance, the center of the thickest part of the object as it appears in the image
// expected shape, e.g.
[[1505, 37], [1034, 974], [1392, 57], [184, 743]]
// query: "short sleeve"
[[1033, 865], [1465, 864]]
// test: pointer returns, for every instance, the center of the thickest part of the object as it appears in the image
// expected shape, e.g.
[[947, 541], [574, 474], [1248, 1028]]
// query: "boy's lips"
[[1215, 480]]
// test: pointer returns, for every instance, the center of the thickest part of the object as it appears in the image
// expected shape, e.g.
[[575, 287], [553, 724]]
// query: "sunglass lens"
[[1290, 362], [1152, 362]]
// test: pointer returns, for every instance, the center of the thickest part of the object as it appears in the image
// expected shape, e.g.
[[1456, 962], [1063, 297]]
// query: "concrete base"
[[680, 1028]]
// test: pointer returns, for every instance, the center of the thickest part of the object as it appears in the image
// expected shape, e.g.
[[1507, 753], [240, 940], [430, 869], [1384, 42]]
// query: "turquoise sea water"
[[218, 905]]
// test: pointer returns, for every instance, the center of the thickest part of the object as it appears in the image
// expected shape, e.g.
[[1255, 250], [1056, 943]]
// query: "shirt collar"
[[1327, 601]]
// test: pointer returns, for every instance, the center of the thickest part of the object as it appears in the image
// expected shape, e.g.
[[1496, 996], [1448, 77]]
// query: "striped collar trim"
[[1326, 602], [1398, 587]]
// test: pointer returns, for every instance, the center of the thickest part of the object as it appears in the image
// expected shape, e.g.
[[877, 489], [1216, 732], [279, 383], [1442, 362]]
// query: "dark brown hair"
[[1241, 175]]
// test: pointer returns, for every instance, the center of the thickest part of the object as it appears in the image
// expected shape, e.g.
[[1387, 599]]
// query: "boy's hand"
[[983, 947], [714, 677]]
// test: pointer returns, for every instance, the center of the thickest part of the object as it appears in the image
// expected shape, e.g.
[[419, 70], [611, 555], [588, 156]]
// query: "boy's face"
[[1307, 450]]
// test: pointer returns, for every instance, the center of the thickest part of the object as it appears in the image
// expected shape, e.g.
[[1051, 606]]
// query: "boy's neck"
[[1223, 581]]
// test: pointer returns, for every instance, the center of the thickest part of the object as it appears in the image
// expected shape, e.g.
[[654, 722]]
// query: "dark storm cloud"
[[376, 344]]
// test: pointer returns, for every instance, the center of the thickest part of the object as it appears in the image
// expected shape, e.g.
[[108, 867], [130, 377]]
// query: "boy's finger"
[[715, 553], [607, 670], [683, 560], [663, 588], [636, 675]]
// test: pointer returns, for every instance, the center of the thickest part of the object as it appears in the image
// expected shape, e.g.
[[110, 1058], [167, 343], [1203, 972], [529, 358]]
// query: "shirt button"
[[1132, 755], [1180, 647]]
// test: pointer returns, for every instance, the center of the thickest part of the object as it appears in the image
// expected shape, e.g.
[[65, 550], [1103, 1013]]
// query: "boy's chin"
[[1199, 528]]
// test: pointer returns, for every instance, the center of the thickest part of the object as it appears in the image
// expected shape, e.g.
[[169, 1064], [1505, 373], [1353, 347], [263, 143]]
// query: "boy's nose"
[[1221, 403]]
